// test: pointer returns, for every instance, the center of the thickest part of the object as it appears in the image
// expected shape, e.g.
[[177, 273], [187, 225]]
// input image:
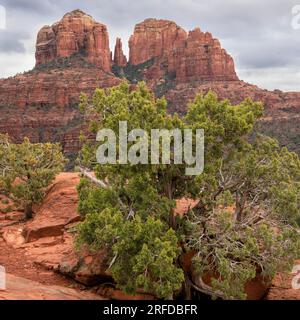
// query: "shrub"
[[27, 170], [244, 223]]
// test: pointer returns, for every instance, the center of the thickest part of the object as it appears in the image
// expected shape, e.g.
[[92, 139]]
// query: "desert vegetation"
[[243, 226], [26, 170]]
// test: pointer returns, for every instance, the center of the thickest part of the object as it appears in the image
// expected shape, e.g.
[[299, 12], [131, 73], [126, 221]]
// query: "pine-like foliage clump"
[[244, 224], [27, 169]]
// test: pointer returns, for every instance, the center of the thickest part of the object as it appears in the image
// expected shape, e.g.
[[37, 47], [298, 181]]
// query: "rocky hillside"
[[42, 263], [73, 56]]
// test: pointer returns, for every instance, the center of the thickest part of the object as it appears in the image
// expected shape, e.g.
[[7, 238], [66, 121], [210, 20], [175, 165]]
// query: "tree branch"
[[103, 185], [96, 181]]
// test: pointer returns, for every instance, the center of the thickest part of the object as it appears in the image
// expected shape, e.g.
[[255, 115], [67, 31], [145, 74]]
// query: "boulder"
[[85, 267], [58, 209], [13, 237], [50, 251], [255, 289]]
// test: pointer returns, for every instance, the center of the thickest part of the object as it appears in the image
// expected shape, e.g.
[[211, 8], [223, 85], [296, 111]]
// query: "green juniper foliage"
[[243, 225], [27, 169]]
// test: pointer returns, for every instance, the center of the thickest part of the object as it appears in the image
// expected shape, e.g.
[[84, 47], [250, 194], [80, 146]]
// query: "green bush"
[[27, 170], [244, 223]]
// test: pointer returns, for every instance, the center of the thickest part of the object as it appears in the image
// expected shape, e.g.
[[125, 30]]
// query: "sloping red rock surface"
[[58, 209], [37, 267], [24, 289]]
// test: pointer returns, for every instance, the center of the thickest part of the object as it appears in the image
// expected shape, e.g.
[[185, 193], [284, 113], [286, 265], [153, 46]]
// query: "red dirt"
[[19, 264]]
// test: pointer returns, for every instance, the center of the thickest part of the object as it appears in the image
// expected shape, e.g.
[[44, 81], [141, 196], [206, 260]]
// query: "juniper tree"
[[27, 169], [243, 224]]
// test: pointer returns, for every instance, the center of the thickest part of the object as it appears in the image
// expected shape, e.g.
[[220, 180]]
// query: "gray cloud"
[[31, 6], [258, 34], [10, 42]]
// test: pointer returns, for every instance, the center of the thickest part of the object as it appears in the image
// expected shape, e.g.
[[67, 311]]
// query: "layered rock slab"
[[58, 209], [18, 288]]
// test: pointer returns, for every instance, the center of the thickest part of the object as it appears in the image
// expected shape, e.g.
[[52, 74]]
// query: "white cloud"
[[13, 63], [284, 79]]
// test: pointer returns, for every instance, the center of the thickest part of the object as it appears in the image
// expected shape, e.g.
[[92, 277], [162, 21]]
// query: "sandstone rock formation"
[[23, 289], [86, 267], [120, 59], [180, 55], [152, 38], [42, 104], [46, 256], [73, 56], [58, 209], [51, 253], [282, 288], [79, 33]]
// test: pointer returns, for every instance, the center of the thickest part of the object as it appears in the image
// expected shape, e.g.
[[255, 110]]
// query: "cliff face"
[[153, 38], [120, 59], [43, 105], [77, 32], [73, 56], [177, 54]]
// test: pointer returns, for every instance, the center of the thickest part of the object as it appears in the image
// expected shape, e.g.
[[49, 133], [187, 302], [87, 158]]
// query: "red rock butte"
[[77, 32], [74, 56], [187, 56]]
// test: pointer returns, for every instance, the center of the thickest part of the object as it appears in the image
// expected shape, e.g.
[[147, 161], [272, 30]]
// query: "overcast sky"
[[257, 33]]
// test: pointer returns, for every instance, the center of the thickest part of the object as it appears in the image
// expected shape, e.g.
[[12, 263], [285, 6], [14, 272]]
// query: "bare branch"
[[88, 175]]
